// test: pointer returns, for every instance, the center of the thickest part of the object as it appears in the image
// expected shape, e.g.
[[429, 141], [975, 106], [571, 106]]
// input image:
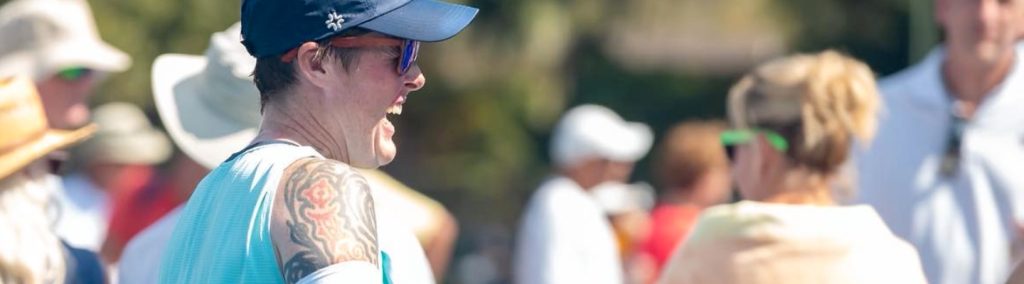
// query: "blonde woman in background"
[[796, 120]]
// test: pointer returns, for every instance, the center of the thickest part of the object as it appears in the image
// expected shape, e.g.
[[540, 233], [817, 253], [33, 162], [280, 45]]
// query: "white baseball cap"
[[592, 131], [41, 37], [209, 104]]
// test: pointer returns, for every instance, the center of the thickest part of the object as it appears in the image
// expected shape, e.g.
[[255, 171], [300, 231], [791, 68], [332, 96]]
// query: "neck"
[[800, 188], [970, 82], [288, 119]]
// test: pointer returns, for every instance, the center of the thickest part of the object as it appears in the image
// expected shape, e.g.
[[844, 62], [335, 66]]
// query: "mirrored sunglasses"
[[74, 73], [731, 138], [409, 49]]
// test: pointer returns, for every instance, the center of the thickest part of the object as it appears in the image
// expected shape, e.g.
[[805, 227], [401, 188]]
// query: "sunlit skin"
[[66, 102], [763, 174], [980, 41], [342, 111]]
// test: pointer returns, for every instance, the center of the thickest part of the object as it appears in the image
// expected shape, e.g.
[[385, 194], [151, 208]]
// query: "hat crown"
[[22, 117], [229, 88], [593, 131], [271, 27], [120, 119], [41, 37], [34, 25]]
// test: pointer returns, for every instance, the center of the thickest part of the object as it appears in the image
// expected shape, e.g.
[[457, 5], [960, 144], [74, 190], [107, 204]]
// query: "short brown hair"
[[273, 76], [690, 150]]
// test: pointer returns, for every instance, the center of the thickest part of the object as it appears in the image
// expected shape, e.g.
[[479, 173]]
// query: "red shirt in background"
[[669, 225], [137, 209]]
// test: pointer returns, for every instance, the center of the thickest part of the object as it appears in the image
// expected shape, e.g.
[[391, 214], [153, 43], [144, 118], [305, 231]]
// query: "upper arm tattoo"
[[330, 218]]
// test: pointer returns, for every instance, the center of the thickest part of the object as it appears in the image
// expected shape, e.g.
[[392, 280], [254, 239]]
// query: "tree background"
[[476, 137]]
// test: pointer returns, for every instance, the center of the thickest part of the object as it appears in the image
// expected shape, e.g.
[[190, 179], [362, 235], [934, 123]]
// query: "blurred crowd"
[[819, 174]]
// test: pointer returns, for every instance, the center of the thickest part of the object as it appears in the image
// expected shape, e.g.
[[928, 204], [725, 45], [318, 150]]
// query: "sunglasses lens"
[[74, 74], [410, 49]]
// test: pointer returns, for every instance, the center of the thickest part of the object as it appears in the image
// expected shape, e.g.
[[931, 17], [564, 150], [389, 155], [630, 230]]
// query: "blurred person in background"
[[796, 120], [56, 43], [564, 235], [945, 169], [115, 163], [487, 259], [214, 94], [692, 169], [30, 252], [428, 220], [628, 208], [140, 208]]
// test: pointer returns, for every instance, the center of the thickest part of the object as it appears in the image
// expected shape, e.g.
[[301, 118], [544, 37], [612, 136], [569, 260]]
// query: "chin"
[[385, 158], [991, 53]]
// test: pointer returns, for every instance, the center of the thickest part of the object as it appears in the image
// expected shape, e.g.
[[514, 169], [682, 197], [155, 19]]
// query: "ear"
[[310, 69], [768, 158]]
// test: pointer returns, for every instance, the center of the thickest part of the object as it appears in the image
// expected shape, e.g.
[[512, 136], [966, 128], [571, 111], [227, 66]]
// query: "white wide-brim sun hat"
[[41, 37], [208, 104], [125, 136]]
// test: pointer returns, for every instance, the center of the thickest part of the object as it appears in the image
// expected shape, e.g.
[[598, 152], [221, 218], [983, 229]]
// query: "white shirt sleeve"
[[359, 272]]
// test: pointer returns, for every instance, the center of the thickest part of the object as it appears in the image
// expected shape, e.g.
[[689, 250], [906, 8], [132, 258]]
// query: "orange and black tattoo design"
[[331, 218]]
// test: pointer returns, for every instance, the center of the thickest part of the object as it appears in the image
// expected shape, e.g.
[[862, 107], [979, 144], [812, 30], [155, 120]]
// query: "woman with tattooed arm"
[[290, 208]]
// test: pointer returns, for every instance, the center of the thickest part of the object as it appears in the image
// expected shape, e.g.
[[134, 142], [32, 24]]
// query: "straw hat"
[[209, 104], [41, 37], [26, 134]]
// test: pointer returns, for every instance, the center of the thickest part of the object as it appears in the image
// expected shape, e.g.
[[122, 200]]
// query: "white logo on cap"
[[334, 21]]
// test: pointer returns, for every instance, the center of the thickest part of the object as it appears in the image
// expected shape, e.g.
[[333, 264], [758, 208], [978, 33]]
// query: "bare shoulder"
[[323, 214]]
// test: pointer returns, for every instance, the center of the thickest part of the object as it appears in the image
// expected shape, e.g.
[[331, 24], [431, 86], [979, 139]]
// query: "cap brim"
[[632, 143], [52, 140], [423, 20], [206, 136], [94, 55]]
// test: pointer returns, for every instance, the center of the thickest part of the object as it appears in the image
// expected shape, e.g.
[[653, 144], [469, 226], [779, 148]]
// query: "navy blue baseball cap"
[[272, 27]]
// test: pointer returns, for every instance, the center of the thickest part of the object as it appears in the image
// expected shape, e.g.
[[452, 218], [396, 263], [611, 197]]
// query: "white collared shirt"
[[565, 237], [962, 225]]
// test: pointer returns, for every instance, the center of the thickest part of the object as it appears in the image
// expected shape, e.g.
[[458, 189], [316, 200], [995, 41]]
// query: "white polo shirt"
[[962, 224], [565, 237]]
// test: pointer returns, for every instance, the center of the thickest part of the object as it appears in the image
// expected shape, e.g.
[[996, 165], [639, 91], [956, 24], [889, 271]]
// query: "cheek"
[[744, 169]]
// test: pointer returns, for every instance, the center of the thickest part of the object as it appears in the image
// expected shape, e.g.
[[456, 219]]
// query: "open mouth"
[[396, 106], [395, 109]]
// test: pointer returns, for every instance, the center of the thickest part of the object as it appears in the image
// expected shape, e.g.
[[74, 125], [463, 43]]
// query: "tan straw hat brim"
[[16, 159]]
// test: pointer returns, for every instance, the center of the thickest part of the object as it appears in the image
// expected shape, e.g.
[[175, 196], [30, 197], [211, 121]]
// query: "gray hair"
[[30, 251]]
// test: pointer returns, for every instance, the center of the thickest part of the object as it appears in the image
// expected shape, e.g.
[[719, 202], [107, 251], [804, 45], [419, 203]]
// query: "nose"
[[414, 79], [987, 13]]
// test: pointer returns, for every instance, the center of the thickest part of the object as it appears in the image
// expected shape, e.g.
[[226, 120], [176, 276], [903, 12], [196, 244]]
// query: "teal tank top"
[[223, 235]]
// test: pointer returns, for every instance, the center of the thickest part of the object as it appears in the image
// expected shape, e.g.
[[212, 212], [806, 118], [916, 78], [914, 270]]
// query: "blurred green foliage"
[[476, 137]]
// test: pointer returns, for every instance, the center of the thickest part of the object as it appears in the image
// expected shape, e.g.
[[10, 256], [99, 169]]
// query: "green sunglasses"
[[732, 138], [74, 73]]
